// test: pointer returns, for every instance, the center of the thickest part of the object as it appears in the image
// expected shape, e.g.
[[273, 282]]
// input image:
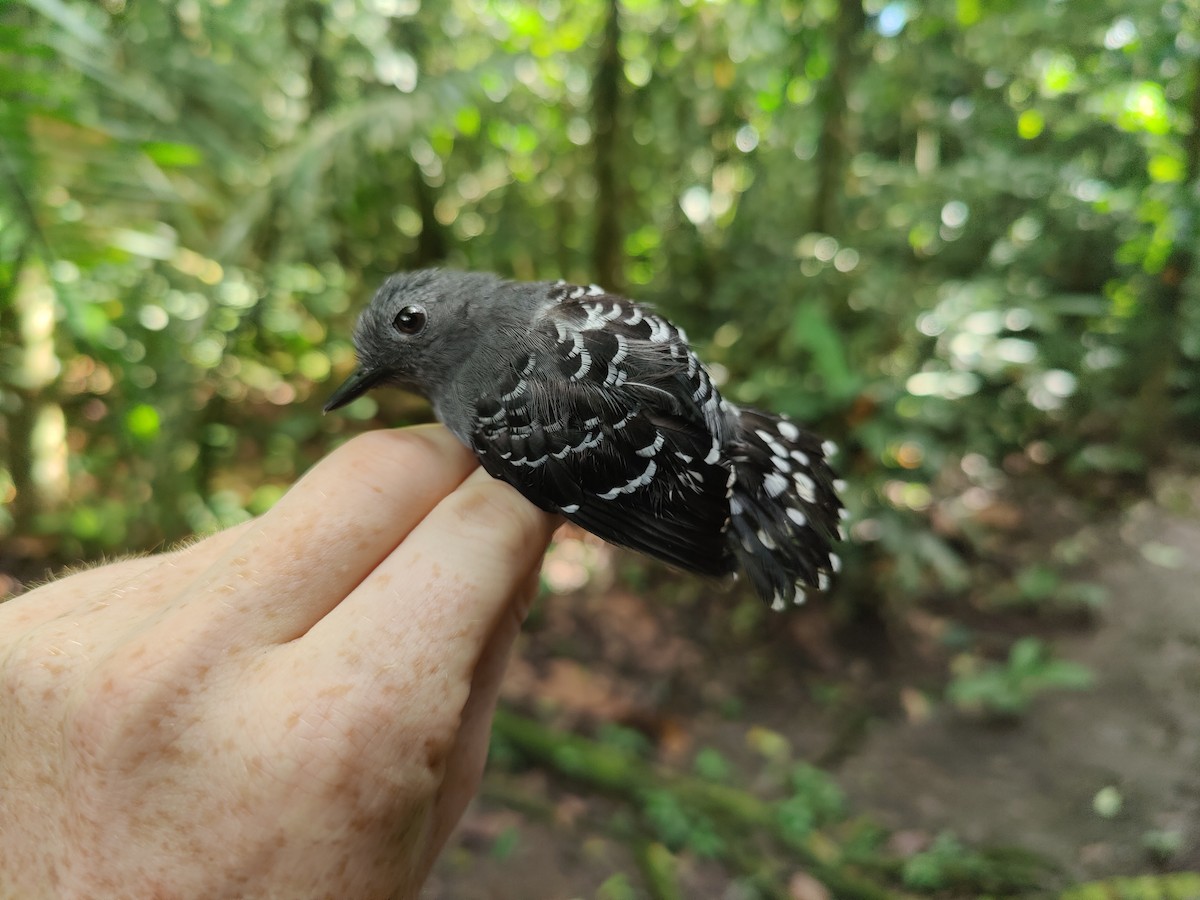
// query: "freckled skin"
[[297, 707]]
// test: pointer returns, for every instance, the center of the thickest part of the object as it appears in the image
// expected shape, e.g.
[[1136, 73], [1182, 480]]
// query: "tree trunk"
[[36, 430], [606, 98], [432, 245], [833, 146]]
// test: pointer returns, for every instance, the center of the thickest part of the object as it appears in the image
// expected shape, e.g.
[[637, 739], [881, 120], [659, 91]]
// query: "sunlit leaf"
[[142, 422], [1030, 124], [173, 155]]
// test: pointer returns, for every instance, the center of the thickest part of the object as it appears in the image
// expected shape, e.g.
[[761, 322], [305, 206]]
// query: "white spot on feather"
[[775, 484], [595, 317], [495, 418], [633, 484], [829, 448], [787, 429], [622, 351], [569, 508], [805, 487], [515, 392], [584, 366], [653, 447], [801, 457], [660, 331], [765, 540], [769, 439], [778, 603], [796, 516]]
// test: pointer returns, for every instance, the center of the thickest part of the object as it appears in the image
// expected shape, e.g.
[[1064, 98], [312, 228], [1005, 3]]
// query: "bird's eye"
[[410, 320]]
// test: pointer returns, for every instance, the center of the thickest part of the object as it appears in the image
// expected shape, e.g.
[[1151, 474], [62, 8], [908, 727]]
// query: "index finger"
[[302, 557], [429, 608]]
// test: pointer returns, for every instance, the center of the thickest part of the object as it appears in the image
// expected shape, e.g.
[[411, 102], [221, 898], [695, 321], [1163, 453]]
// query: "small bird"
[[594, 407]]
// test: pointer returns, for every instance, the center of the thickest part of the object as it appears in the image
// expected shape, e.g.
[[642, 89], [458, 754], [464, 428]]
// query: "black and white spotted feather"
[[595, 407]]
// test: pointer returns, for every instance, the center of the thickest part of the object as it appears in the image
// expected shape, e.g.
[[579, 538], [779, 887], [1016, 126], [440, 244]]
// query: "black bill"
[[354, 387]]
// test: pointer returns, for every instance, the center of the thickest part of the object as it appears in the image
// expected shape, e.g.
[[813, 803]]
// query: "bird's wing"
[[607, 418]]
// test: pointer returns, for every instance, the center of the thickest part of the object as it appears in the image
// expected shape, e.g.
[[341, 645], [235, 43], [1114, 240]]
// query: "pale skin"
[[295, 707]]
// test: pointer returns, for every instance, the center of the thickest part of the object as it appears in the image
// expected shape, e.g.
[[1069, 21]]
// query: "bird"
[[595, 407]]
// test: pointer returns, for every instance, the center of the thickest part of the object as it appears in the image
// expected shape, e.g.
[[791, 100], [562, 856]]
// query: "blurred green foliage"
[[1005, 690], [1171, 886], [948, 864], [954, 235]]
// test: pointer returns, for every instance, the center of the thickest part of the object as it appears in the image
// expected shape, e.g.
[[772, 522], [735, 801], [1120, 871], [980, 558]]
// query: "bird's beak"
[[354, 387]]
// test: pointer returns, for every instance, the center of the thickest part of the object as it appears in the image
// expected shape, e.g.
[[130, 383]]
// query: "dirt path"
[[1137, 730]]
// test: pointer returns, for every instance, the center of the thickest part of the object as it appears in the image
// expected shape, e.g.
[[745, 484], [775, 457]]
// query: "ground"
[[1136, 731], [1100, 781]]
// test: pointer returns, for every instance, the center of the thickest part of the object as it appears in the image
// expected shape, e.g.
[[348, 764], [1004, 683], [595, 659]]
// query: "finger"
[[122, 582], [464, 767], [336, 525], [155, 581], [426, 611]]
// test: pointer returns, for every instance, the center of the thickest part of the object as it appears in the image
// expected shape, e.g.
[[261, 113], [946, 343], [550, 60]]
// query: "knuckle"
[[28, 676], [138, 700], [106, 714], [492, 514], [348, 750]]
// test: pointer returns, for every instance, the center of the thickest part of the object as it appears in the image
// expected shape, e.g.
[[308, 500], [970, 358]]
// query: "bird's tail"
[[784, 508]]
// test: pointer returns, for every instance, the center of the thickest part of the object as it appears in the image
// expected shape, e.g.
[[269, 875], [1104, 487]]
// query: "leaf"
[[1025, 656], [712, 765], [812, 329], [70, 21], [142, 422], [172, 155]]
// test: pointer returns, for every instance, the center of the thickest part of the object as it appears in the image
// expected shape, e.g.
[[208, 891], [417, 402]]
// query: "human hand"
[[295, 707]]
